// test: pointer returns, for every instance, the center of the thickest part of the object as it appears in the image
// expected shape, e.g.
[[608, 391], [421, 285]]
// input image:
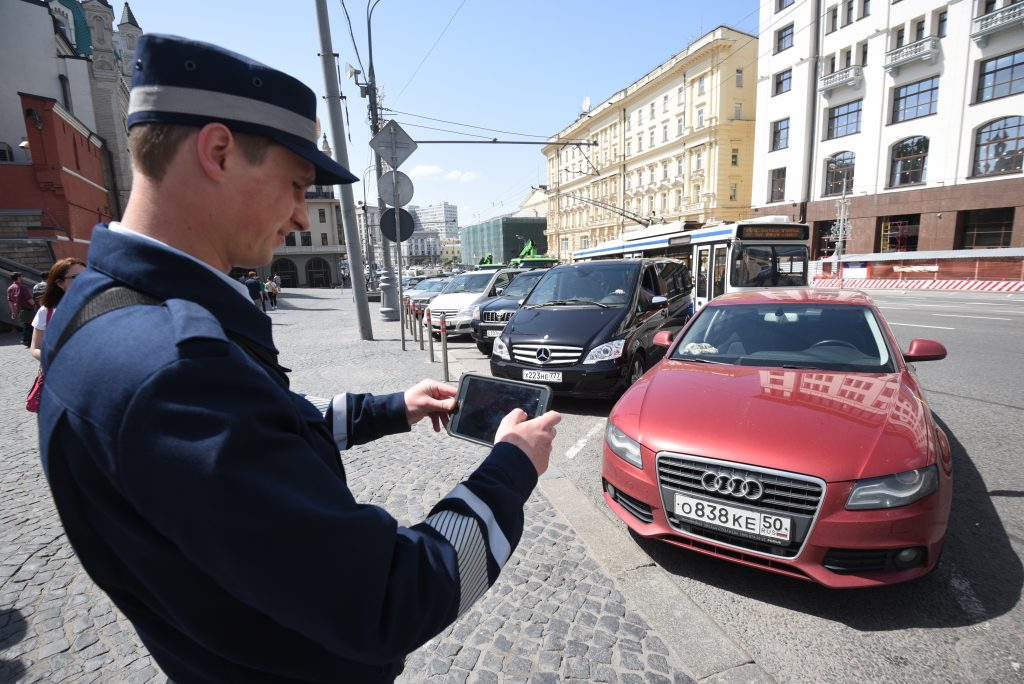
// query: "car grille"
[[561, 355], [496, 316], [435, 315], [797, 497]]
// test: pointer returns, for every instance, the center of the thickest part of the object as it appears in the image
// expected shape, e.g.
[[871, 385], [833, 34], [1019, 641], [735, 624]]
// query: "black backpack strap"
[[119, 297]]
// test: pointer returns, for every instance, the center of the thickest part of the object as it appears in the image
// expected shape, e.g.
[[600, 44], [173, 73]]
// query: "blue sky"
[[521, 67]]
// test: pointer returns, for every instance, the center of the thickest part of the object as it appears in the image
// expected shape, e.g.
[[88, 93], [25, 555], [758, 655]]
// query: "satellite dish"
[[351, 71], [585, 105]]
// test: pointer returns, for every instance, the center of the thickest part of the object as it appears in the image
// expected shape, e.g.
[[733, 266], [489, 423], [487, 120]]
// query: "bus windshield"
[[769, 265]]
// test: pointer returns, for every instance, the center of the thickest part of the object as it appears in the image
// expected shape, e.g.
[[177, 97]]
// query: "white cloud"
[[425, 171], [462, 176]]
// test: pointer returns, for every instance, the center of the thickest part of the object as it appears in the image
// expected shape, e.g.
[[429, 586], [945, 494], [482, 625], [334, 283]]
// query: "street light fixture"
[[840, 229]]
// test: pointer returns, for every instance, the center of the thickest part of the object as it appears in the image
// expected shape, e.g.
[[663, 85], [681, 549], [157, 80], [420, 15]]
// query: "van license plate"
[[543, 376]]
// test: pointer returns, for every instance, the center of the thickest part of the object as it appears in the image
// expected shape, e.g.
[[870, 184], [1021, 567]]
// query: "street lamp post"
[[840, 230]]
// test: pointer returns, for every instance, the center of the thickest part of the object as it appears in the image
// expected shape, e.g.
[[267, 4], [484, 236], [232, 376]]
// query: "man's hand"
[[430, 398], [534, 436]]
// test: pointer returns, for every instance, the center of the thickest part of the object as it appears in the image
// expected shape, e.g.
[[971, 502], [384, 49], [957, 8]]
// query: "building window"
[[664, 202], [915, 99], [734, 191], [986, 229], [639, 178], [737, 110], [565, 245], [650, 175], [783, 82], [289, 240], [839, 173], [696, 192], [833, 19], [866, 9], [848, 17], [584, 242], [679, 166], [777, 185], [322, 214], [999, 147], [664, 170], [323, 239], [734, 159], [65, 93], [784, 39], [680, 95], [679, 126], [306, 238], [1001, 76], [679, 199], [864, 54], [782, 4], [909, 162], [700, 118], [780, 134], [844, 119], [651, 138], [901, 36], [639, 144], [739, 78], [919, 30], [629, 148], [640, 117], [700, 85], [940, 25], [664, 103]]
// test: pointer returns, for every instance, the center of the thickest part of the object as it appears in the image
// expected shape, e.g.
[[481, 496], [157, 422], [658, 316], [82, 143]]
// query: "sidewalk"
[[577, 602]]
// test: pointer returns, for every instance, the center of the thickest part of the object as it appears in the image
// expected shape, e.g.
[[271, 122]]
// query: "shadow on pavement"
[[12, 630], [583, 407], [978, 578]]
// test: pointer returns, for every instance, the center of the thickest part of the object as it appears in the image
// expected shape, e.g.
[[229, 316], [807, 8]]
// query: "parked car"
[[433, 284], [490, 316], [457, 299], [786, 431], [587, 329]]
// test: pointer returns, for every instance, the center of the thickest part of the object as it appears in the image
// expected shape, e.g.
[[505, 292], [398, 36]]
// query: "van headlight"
[[499, 349], [892, 491], [622, 445], [605, 352]]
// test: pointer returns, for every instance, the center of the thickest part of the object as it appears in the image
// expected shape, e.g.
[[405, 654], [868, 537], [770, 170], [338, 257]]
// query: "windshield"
[[811, 336], [469, 282], [586, 283], [522, 284], [431, 285], [769, 266]]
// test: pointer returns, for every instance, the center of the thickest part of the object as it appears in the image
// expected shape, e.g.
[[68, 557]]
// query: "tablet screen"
[[485, 401]]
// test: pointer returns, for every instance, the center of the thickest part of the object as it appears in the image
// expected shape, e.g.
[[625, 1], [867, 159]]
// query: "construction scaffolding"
[[892, 237]]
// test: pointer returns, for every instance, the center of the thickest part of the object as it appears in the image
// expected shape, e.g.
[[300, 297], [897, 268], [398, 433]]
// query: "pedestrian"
[[39, 288], [252, 284], [272, 289], [206, 498], [23, 309], [61, 276], [277, 281]]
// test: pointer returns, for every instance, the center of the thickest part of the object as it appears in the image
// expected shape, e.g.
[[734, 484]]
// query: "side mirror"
[[663, 338], [925, 350], [498, 291], [657, 302]]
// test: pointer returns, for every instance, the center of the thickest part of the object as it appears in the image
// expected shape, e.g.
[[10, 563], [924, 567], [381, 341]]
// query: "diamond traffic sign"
[[393, 144]]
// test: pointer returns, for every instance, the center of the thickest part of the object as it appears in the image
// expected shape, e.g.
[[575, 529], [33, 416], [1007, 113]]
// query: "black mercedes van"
[[587, 328]]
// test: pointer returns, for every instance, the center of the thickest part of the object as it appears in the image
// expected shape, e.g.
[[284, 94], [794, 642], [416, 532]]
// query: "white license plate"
[[543, 376], [493, 333], [766, 525]]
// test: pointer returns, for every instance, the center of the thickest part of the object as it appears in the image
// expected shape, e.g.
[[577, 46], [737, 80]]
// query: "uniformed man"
[[200, 493]]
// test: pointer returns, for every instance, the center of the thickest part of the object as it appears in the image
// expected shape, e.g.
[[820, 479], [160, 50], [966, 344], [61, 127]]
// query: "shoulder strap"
[[119, 297]]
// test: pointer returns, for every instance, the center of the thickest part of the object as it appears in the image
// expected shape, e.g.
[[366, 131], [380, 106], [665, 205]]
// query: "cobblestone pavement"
[[553, 616]]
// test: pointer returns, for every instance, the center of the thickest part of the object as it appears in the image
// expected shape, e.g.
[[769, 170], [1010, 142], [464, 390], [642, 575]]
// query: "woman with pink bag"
[[62, 275]]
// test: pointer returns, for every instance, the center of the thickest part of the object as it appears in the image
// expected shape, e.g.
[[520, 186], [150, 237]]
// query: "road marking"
[[987, 318], [578, 446], [915, 325]]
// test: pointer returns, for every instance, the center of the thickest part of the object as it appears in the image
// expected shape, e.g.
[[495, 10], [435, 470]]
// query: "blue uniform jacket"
[[210, 503]]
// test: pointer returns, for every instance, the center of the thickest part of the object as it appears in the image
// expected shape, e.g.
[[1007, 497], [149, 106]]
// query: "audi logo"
[[732, 485], [543, 354]]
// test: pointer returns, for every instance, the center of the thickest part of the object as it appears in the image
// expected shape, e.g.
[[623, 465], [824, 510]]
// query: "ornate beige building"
[[676, 145]]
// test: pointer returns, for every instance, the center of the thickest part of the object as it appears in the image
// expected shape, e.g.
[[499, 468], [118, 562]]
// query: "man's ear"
[[214, 145]]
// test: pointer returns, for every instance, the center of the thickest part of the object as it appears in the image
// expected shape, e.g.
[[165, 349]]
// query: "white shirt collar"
[[121, 229]]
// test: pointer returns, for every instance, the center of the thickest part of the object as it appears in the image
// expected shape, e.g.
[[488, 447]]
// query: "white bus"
[[769, 251]]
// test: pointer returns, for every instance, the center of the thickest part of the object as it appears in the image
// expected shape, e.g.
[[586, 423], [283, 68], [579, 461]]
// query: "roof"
[[797, 295], [83, 37], [128, 18]]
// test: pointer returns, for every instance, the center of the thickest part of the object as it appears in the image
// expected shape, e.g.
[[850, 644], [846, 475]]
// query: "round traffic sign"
[[387, 225], [392, 182]]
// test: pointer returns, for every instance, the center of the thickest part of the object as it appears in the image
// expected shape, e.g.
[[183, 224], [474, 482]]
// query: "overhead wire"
[[422, 61]]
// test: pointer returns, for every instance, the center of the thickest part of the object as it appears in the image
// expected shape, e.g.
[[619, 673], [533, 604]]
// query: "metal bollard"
[[444, 349], [430, 333], [419, 324]]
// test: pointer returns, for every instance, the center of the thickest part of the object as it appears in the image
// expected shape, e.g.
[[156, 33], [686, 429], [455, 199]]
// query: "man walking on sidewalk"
[[23, 309], [206, 498]]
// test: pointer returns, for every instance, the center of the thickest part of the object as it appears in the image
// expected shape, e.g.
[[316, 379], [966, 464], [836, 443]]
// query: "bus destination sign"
[[772, 232]]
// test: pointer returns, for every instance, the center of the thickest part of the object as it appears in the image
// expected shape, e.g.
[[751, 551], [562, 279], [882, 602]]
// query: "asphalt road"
[[962, 623]]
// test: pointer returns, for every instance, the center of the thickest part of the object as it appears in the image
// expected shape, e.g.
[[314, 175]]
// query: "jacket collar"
[[151, 268]]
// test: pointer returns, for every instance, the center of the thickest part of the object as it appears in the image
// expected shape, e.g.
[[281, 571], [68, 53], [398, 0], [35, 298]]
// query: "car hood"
[[837, 426], [570, 325], [501, 304], [455, 300]]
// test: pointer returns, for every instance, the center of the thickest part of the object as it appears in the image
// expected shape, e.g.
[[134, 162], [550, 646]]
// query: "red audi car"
[[785, 430]]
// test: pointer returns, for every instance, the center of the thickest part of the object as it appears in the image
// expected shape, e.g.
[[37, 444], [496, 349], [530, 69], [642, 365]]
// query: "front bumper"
[[843, 549], [479, 330], [598, 380], [454, 325]]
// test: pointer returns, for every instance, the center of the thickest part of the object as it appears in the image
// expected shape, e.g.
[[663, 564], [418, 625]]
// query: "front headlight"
[[466, 312], [892, 491], [499, 349], [622, 445], [605, 352], [476, 313]]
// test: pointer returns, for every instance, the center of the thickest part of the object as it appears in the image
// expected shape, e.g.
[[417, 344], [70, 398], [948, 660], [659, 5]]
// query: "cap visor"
[[328, 171]]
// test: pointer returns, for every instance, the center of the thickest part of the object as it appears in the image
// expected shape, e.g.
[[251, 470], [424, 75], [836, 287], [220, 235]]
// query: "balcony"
[[850, 77], [926, 50], [984, 26]]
